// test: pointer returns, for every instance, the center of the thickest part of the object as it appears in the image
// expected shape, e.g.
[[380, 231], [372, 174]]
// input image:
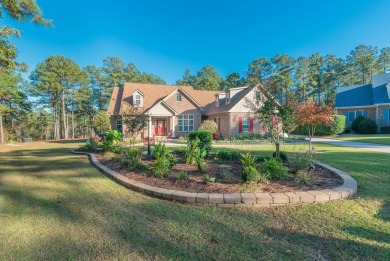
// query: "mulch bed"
[[323, 179]]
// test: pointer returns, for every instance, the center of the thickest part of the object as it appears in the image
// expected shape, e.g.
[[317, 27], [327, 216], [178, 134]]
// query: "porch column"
[[173, 126], [149, 127]]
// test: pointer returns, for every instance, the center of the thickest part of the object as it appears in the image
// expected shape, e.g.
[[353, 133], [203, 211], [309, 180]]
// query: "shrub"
[[199, 158], [250, 173], [385, 129], [367, 126], [112, 136], [337, 127], [191, 150], [282, 155], [205, 139], [161, 164], [107, 146], [300, 161], [356, 122], [274, 169], [182, 176], [109, 155], [207, 178], [224, 174], [208, 125], [134, 153], [305, 177], [227, 155]]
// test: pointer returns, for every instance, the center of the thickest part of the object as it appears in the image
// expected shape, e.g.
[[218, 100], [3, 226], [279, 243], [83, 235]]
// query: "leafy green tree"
[[22, 11], [233, 80], [207, 78], [384, 59], [301, 79], [259, 70], [101, 123], [281, 81], [187, 78], [363, 61], [54, 80]]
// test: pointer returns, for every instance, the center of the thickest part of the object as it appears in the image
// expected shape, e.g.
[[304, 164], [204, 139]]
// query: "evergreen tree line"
[[61, 100], [288, 78]]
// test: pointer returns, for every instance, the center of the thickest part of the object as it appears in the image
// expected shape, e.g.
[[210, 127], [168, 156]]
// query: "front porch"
[[160, 128]]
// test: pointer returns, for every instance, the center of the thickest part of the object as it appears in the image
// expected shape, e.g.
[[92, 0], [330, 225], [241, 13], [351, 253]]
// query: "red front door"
[[160, 127]]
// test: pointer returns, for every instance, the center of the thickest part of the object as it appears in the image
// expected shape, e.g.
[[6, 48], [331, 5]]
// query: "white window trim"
[[135, 99], [179, 95], [247, 124], [119, 124], [180, 122], [354, 113]]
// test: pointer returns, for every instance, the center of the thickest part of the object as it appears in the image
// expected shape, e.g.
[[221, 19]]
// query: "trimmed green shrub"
[[385, 129], [134, 153], [205, 138], [182, 176], [112, 136], [300, 161], [367, 126], [356, 122], [227, 155], [337, 127], [282, 155], [250, 173], [274, 169]]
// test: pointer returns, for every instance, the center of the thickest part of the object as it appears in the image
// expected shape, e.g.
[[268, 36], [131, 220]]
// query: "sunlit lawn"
[[55, 206], [370, 138]]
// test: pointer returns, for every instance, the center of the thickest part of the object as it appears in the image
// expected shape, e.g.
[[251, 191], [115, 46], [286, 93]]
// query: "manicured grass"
[[370, 138], [55, 206]]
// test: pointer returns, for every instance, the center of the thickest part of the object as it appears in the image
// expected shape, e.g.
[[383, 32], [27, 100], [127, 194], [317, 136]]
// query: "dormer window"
[[178, 97], [216, 101], [137, 100], [227, 97]]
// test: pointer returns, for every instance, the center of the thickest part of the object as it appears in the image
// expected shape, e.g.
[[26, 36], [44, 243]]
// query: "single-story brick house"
[[174, 111], [370, 100]]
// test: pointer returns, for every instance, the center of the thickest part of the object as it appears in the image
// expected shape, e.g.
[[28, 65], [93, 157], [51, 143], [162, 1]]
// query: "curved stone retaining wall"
[[348, 188]]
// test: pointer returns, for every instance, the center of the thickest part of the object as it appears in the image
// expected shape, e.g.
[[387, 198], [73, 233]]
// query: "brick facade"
[[371, 114]]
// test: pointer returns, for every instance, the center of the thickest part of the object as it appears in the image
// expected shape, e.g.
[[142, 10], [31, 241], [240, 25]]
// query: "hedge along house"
[[369, 100], [174, 111]]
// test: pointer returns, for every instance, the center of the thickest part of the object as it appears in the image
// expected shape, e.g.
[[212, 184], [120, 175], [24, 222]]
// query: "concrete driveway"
[[354, 144]]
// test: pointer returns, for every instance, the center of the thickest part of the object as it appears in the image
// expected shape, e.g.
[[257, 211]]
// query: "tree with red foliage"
[[310, 116]]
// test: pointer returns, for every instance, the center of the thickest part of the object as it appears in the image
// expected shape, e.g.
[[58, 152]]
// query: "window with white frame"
[[137, 99], [228, 97], [245, 124], [386, 115], [351, 115], [178, 97], [186, 122], [119, 125]]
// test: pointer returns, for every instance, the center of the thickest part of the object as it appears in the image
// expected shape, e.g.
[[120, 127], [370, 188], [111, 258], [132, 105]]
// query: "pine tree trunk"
[[64, 116], [1, 129]]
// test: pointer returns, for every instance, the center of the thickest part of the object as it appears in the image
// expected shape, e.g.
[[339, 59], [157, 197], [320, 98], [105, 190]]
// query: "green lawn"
[[55, 206], [370, 138]]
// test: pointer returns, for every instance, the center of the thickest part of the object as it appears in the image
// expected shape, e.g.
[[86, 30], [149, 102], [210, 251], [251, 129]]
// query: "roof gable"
[[357, 95]]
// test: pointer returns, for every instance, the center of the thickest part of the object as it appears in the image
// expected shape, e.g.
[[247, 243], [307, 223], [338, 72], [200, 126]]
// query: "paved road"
[[355, 144]]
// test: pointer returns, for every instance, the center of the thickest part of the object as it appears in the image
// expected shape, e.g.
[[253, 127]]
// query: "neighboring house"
[[370, 100], [174, 111]]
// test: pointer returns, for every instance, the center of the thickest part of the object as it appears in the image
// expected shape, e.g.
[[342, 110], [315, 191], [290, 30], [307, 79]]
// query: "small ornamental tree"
[[209, 125], [101, 123], [310, 116], [134, 120], [274, 117]]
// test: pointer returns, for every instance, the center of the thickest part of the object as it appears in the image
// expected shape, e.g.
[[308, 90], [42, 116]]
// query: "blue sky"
[[166, 37]]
